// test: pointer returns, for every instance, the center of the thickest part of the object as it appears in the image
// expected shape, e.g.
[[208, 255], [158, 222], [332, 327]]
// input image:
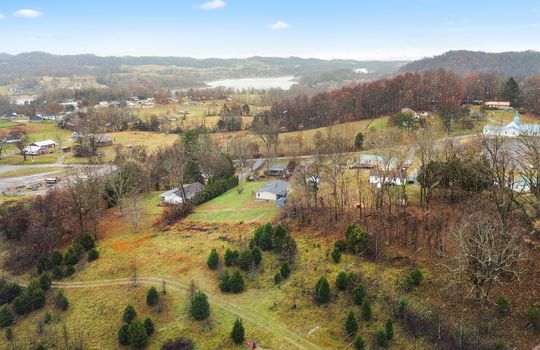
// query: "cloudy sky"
[[359, 29]]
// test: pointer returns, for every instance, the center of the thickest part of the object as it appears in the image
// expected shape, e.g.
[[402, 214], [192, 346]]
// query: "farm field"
[[28, 171]]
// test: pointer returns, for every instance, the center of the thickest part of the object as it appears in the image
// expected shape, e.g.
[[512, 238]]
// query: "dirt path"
[[263, 323]]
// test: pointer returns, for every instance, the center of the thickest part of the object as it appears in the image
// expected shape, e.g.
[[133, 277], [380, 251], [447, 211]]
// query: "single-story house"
[[11, 138], [369, 161], [273, 191], [498, 105], [174, 196], [390, 178]]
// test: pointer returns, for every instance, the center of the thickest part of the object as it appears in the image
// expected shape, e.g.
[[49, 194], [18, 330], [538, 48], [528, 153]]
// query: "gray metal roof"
[[276, 187]]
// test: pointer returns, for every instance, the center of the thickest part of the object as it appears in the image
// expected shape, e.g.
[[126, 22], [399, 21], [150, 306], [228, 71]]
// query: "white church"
[[513, 129]]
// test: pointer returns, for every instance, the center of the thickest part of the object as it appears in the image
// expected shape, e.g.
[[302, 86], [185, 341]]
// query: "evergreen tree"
[[70, 270], [123, 334], [237, 333], [43, 264], [511, 92], [358, 294], [225, 282], [351, 326], [381, 338], [359, 141], [360, 343], [277, 277], [285, 270], [263, 237], [57, 273], [336, 255], [342, 281], [366, 310], [231, 257], [149, 325], [56, 258], [6, 317], [322, 291], [199, 308], [213, 259], [389, 326], [8, 291], [61, 301], [138, 337], [401, 307], [237, 282], [245, 260], [85, 241], [152, 296], [257, 255], [45, 282], [129, 314], [93, 254]]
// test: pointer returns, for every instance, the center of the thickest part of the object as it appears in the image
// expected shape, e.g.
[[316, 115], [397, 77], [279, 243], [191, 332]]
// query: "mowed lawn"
[[236, 207]]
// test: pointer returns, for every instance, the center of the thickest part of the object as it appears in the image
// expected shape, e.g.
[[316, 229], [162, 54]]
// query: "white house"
[[39, 147], [504, 105], [273, 191], [513, 129], [174, 196], [390, 178]]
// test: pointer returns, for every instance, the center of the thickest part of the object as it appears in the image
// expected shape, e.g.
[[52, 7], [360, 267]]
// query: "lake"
[[284, 83]]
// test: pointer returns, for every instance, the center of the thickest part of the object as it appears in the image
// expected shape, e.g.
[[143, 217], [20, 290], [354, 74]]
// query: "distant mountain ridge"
[[463, 62], [40, 62]]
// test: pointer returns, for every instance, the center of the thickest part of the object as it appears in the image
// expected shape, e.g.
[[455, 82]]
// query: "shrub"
[[37, 297], [93, 254], [533, 314], [39, 346], [138, 338], [389, 328], [237, 332], [43, 264], [278, 278], [213, 259], [351, 326], [285, 270], [502, 305], [85, 241], [123, 334], [178, 344], [342, 281], [61, 301], [401, 307], [8, 291], [6, 317], [366, 310], [149, 325], [356, 238], [340, 245], [152, 296], [360, 343], [322, 291], [237, 282], [257, 255], [231, 257], [358, 294], [57, 273], [22, 304], [129, 314], [72, 256], [56, 258], [381, 338], [199, 308], [414, 279], [245, 260], [45, 282], [47, 317], [225, 282], [174, 213], [280, 237], [336, 255], [70, 270]]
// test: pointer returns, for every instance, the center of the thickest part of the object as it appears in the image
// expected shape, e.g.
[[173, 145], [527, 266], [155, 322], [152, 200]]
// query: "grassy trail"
[[247, 315]]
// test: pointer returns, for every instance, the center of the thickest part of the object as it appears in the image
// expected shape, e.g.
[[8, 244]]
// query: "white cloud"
[[2, 16], [27, 13], [213, 4], [279, 25]]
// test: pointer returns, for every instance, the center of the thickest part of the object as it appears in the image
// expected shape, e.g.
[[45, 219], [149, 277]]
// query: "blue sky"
[[382, 29]]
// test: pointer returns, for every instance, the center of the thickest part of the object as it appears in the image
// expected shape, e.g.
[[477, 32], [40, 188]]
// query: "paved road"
[[257, 164]]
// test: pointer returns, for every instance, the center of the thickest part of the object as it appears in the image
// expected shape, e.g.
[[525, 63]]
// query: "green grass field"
[[236, 207], [28, 171], [6, 124]]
